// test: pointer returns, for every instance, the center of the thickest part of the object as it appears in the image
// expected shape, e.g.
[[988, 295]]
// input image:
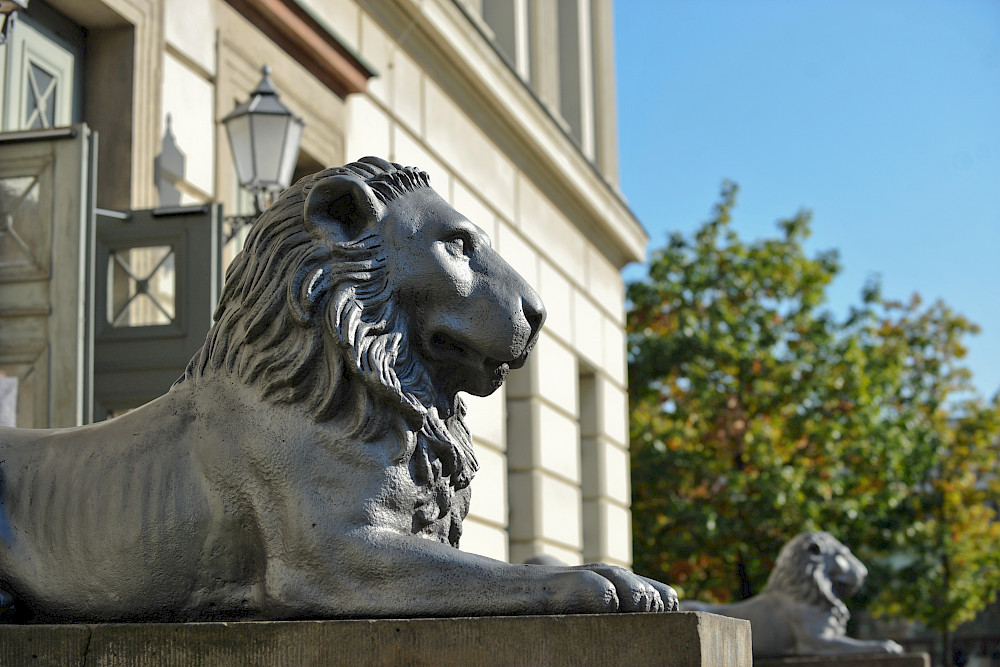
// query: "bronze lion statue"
[[313, 460], [801, 611]]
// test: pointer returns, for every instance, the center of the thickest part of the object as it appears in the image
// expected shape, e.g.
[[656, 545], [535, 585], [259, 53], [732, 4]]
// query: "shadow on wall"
[[168, 168]]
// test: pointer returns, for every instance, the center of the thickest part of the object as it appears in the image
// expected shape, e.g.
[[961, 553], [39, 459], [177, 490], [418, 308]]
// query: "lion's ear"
[[342, 207]]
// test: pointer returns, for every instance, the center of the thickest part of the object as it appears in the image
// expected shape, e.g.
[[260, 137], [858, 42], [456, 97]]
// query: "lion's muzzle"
[[485, 328], [517, 301]]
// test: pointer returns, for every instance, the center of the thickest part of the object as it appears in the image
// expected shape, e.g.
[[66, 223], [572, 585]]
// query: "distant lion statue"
[[801, 610], [313, 461]]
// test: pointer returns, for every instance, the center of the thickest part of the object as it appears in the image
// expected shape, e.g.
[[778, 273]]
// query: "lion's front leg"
[[418, 577], [382, 573], [839, 645]]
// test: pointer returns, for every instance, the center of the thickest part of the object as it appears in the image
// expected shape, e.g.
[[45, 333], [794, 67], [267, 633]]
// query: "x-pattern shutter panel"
[[40, 105], [157, 283]]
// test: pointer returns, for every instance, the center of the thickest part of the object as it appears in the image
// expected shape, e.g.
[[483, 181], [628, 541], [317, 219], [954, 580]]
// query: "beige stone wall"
[[553, 444]]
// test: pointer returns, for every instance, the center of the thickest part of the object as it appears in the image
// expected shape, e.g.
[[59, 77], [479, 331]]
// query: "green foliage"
[[756, 414]]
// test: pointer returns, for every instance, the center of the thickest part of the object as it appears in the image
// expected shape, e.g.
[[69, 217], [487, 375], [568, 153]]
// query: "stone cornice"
[[309, 42]]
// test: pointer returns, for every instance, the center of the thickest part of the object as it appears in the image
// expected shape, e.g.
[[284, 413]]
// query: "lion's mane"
[[345, 361], [799, 574]]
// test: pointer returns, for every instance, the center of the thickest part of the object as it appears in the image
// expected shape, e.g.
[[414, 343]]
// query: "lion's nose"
[[534, 311], [534, 315]]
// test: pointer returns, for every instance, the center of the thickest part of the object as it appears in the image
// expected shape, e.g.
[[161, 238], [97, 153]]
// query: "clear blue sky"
[[880, 116]]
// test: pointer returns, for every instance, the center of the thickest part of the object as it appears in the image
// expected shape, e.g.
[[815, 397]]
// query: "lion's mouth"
[[844, 587], [447, 348]]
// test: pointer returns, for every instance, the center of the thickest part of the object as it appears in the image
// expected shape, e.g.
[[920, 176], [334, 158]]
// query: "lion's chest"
[[447, 528], [431, 511]]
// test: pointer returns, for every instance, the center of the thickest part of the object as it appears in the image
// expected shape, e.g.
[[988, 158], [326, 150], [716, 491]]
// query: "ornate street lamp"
[[7, 11], [264, 136]]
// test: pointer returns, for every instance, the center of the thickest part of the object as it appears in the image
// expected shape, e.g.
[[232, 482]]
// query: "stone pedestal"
[[682, 638], [879, 660]]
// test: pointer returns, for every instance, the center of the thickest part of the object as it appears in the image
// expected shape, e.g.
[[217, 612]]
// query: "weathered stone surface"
[[648, 639], [314, 460], [870, 660]]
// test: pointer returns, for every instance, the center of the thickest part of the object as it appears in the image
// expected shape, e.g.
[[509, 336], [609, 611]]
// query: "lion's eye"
[[814, 549]]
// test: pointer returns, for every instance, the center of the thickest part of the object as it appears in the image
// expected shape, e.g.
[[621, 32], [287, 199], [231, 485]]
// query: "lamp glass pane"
[[238, 130], [269, 135], [293, 137]]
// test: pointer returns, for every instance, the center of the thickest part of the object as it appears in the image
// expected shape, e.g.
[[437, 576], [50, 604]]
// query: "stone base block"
[[878, 660], [682, 638]]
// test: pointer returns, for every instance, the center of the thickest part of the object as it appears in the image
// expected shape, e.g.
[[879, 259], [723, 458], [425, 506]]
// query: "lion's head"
[[817, 569], [363, 297]]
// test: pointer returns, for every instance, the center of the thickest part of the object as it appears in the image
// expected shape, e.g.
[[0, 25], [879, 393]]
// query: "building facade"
[[507, 104]]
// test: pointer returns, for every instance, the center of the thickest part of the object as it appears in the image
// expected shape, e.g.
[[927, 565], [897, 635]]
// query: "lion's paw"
[[575, 591], [636, 593], [890, 646]]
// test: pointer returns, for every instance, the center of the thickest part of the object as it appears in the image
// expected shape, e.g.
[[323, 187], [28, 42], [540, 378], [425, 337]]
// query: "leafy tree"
[[757, 414]]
